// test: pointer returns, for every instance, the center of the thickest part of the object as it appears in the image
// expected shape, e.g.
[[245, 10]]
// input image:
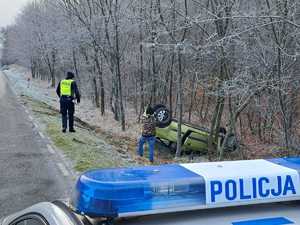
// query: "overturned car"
[[193, 138]]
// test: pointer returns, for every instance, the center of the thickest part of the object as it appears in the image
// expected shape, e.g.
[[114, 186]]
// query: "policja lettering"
[[234, 190]]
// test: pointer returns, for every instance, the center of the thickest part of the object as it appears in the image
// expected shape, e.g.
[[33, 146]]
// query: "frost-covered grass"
[[107, 146], [84, 148], [41, 91]]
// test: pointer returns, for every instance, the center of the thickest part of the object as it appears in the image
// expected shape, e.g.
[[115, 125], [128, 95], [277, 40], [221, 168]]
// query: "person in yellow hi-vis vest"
[[67, 91]]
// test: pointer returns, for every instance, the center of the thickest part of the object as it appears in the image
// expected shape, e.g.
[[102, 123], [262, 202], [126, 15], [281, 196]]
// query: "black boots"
[[70, 130]]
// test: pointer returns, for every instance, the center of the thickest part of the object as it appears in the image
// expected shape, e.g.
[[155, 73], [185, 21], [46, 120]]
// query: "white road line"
[[41, 134], [26, 111], [50, 149], [36, 126], [31, 118], [63, 169]]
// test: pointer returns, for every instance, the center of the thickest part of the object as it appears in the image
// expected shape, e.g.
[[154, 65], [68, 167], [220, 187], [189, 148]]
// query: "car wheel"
[[222, 134], [222, 130], [232, 143], [163, 115], [173, 147]]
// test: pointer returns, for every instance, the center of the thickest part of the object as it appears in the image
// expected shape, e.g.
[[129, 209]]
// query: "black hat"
[[70, 75]]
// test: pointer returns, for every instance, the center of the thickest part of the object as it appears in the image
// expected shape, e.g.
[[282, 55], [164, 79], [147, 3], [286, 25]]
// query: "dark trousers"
[[67, 109]]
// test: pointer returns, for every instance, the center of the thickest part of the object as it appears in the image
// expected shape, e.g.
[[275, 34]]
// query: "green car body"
[[192, 137]]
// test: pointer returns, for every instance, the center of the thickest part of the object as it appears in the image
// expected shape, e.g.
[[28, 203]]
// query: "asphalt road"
[[28, 172]]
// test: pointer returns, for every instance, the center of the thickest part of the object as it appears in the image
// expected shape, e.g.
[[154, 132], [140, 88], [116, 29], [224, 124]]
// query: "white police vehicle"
[[109, 194]]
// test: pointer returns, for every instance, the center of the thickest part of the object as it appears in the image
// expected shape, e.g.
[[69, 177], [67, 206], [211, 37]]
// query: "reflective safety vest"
[[65, 87]]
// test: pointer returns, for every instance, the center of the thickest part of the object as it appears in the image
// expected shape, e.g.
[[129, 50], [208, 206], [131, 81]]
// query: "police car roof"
[[124, 192], [267, 214]]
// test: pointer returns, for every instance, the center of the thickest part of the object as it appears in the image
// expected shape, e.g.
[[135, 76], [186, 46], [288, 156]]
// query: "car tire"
[[222, 130], [163, 115], [222, 134], [232, 143], [173, 147]]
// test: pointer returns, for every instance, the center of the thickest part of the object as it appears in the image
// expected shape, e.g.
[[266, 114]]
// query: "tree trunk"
[[215, 125], [51, 63], [231, 130], [179, 104], [100, 77], [76, 67], [96, 93], [193, 90], [153, 91], [142, 106], [118, 69], [171, 85]]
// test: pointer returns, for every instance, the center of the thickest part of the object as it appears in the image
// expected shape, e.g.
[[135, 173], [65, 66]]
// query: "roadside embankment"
[[94, 145]]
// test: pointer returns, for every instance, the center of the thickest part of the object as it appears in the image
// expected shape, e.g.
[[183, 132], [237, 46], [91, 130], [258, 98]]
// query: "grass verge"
[[84, 148]]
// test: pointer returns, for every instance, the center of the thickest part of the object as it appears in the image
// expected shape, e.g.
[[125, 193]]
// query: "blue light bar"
[[123, 192]]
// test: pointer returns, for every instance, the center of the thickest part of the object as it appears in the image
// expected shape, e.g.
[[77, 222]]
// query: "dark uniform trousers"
[[67, 109]]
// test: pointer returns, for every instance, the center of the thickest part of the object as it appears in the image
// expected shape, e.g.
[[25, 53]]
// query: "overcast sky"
[[9, 9]]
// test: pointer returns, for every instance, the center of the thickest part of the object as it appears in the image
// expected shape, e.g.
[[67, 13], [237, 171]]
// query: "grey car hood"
[[52, 213]]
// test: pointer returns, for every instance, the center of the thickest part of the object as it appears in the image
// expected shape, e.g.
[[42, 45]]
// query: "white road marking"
[[36, 126], [2, 86], [31, 118], [41, 134], [26, 111], [63, 169], [50, 149]]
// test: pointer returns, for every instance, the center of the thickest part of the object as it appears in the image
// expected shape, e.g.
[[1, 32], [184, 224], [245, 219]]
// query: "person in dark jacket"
[[67, 91], [148, 133]]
